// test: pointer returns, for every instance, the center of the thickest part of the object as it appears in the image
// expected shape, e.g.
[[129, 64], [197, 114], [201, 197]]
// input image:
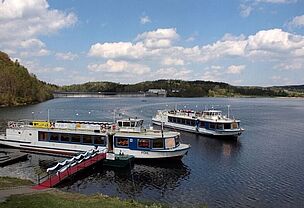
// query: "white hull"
[[177, 152], [193, 129], [31, 143]]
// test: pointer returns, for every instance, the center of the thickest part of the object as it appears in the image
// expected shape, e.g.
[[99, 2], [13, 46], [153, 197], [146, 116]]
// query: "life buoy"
[[103, 128], [52, 125], [113, 127]]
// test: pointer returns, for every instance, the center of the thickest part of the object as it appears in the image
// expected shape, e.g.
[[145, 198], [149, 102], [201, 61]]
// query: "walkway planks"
[[12, 158]]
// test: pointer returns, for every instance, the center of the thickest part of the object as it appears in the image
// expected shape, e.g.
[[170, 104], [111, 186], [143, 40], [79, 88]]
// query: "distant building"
[[156, 92]]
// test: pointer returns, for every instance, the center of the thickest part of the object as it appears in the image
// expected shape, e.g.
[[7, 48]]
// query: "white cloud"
[[247, 6], [279, 80], [117, 50], [22, 21], [112, 66], [235, 69], [34, 67], [30, 43], [32, 47], [160, 38], [265, 46], [173, 73], [144, 20], [245, 10], [69, 56], [276, 1], [291, 65], [296, 22], [173, 61]]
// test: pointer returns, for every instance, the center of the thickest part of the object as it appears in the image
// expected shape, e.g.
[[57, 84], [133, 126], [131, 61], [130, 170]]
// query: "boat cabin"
[[212, 113]]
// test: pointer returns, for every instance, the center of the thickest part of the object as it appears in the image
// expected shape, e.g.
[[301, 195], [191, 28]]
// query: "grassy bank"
[[8, 182], [57, 198], [70, 200]]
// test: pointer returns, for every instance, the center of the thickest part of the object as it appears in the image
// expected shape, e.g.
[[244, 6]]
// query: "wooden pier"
[[52, 180], [11, 158]]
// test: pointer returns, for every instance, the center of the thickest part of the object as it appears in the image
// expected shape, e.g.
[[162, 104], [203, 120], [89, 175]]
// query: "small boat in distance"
[[125, 137], [208, 122]]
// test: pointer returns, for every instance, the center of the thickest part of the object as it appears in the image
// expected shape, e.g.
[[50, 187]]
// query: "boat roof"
[[129, 119], [212, 111]]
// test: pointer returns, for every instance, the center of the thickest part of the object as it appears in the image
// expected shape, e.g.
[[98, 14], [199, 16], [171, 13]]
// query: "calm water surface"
[[264, 168]]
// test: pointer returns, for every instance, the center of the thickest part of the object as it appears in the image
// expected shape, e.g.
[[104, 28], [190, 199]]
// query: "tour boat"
[[208, 122], [125, 137]]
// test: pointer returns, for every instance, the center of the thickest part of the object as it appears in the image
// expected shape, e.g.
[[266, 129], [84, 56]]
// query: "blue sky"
[[241, 42]]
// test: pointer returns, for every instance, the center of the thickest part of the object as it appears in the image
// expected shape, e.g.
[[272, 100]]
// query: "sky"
[[240, 42]]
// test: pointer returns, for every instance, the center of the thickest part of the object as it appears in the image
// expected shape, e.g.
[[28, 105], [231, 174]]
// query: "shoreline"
[[19, 191]]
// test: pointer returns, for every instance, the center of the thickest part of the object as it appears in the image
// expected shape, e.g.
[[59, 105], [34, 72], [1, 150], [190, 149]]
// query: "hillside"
[[180, 88], [18, 87]]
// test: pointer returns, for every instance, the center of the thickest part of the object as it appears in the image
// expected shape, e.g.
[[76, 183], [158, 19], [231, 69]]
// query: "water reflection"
[[131, 182]]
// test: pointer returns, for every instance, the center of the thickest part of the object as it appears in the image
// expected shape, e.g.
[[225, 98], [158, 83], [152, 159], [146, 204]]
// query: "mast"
[[228, 111]]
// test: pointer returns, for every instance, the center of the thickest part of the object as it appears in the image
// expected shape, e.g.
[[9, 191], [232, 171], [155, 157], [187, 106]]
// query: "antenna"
[[48, 115], [114, 115]]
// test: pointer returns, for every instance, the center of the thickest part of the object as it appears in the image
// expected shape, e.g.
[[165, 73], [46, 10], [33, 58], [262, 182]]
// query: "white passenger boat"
[[72, 137], [208, 122]]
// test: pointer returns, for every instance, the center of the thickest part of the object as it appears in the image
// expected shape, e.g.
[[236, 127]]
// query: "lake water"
[[263, 168]]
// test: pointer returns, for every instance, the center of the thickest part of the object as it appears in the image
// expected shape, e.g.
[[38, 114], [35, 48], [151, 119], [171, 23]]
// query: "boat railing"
[[17, 124]]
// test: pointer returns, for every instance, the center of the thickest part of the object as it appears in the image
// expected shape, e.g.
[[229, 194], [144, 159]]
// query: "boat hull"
[[223, 133]]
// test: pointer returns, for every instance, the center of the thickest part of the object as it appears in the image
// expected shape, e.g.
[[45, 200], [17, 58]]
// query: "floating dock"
[[11, 158]]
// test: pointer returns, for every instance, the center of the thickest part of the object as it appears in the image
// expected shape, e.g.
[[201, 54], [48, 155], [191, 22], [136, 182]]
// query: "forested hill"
[[180, 88], [18, 87]]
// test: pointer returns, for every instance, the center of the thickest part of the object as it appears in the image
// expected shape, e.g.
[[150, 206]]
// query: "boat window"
[[234, 125], [192, 123], [126, 124], [87, 139], [157, 143], [178, 120], [132, 123], [76, 138], [177, 140], [42, 136], [220, 126], [202, 124], [174, 120], [122, 142], [65, 138], [212, 126], [119, 123], [141, 122], [227, 126], [101, 140], [54, 137], [170, 119], [144, 143], [170, 143], [188, 122]]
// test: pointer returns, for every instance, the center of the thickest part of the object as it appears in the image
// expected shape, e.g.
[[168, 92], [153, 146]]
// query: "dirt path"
[[5, 193]]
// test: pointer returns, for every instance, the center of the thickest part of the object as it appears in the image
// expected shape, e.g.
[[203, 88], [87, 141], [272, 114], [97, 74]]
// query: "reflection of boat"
[[131, 182], [126, 136], [209, 122]]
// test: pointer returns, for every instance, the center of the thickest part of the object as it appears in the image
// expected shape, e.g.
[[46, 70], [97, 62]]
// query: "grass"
[[70, 200], [8, 182]]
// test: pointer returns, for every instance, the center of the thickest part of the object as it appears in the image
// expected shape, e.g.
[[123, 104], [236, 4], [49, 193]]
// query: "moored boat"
[[126, 136], [208, 122]]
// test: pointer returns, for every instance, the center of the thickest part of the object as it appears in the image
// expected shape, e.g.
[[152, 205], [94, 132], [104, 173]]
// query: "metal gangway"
[[68, 167]]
